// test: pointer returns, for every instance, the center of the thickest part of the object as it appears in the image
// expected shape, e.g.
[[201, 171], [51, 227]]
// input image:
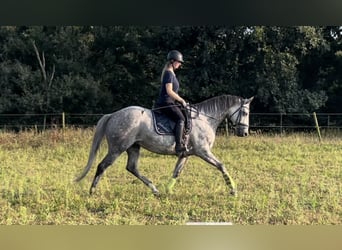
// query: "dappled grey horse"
[[132, 127]]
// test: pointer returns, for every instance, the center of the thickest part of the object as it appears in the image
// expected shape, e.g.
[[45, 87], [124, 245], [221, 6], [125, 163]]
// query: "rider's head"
[[175, 58], [175, 55]]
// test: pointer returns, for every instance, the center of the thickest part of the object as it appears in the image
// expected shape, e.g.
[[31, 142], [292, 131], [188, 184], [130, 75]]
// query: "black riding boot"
[[180, 148]]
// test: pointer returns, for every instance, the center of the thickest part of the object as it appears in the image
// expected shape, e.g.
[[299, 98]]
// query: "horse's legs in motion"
[[103, 165], [178, 169], [210, 158], [132, 166]]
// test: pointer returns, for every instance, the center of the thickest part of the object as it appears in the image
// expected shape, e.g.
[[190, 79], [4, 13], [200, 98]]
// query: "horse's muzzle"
[[242, 131]]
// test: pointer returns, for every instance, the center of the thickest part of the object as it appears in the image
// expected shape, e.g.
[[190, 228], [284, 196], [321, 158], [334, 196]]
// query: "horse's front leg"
[[210, 158], [178, 169]]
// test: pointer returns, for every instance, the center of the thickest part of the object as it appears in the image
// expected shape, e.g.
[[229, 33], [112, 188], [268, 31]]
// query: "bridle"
[[239, 116], [237, 122]]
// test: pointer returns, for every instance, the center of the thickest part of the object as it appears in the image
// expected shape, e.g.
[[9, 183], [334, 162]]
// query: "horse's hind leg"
[[103, 165], [132, 166]]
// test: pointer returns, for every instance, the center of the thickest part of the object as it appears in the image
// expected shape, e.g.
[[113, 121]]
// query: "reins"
[[190, 108]]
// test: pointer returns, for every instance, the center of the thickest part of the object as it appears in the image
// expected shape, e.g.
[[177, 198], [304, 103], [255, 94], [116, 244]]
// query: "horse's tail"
[[99, 133]]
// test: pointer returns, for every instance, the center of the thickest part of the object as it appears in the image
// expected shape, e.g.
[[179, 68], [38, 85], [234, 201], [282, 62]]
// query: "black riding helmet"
[[175, 55]]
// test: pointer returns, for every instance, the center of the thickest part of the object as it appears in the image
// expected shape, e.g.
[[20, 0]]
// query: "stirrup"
[[182, 151]]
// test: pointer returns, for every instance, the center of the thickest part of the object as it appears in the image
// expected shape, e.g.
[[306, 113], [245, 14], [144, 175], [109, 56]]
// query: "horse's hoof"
[[169, 191], [169, 187], [91, 191], [156, 193], [233, 192]]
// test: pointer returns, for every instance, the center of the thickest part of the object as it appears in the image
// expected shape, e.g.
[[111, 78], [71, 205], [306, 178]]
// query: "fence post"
[[281, 123], [63, 120], [317, 126], [44, 122]]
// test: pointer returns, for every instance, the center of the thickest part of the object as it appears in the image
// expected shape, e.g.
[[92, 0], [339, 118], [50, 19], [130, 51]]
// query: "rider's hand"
[[184, 104]]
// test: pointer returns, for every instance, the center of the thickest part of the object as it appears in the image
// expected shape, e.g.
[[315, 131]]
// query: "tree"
[[279, 51], [86, 69]]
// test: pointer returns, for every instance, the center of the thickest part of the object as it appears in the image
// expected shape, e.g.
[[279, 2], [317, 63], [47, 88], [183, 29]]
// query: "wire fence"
[[259, 122], [292, 122]]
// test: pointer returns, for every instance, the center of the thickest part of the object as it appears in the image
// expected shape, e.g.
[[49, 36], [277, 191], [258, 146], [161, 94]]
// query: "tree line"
[[100, 69]]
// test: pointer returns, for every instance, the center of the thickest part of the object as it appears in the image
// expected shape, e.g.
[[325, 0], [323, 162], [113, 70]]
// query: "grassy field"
[[289, 179]]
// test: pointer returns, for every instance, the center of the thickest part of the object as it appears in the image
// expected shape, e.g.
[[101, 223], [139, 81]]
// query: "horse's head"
[[239, 116]]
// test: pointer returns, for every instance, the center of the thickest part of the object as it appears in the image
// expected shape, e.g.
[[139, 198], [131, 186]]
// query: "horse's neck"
[[217, 109], [219, 118]]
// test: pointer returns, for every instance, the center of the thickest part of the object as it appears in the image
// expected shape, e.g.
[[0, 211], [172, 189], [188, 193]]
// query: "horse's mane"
[[216, 104]]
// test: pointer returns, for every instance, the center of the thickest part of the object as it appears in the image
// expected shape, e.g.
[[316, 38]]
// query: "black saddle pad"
[[165, 126]]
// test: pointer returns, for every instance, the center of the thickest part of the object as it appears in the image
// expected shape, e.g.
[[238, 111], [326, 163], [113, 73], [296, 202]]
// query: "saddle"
[[163, 125]]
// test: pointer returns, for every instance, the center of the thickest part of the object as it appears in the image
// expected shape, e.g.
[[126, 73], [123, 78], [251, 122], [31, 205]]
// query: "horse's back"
[[131, 111], [130, 116]]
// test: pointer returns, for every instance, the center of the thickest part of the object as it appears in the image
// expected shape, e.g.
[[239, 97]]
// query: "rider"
[[168, 97]]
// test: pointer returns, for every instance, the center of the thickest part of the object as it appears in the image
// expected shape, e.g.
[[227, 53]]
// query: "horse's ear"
[[250, 99]]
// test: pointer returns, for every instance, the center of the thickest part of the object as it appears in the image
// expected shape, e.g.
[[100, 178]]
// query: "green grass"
[[290, 179]]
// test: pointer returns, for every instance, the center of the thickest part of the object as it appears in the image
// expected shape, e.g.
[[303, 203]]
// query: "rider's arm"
[[173, 94]]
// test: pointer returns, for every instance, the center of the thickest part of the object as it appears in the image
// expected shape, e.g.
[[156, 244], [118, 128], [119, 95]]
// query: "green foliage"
[[104, 68]]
